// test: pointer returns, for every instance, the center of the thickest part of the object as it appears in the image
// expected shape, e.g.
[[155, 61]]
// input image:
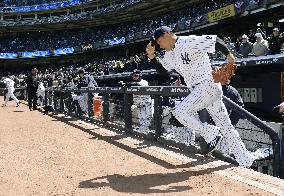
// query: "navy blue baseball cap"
[[136, 72], [161, 31]]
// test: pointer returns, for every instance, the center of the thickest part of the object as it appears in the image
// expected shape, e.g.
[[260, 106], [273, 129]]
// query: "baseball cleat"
[[206, 148]]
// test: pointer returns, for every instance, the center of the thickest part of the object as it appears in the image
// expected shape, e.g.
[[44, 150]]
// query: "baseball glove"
[[224, 73]]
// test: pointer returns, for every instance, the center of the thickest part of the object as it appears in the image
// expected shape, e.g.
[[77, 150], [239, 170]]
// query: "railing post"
[[61, 104], [128, 99], [276, 157], [27, 95], [106, 115], [45, 97], [90, 104], [158, 111], [54, 100], [70, 104], [282, 158]]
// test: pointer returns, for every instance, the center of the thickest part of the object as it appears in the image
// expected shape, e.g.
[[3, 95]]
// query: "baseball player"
[[188, 55], [143, 103], [9, 83], [84, 99], [40, 93]]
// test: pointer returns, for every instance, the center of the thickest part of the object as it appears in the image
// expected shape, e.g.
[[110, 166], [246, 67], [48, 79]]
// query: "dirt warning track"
[[58, 155]]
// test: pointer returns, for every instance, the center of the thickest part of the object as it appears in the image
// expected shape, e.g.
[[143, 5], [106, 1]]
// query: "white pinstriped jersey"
[[190, 58], [9, 83]]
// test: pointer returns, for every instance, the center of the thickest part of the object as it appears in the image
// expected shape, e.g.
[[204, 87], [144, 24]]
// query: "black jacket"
[[32, 83]]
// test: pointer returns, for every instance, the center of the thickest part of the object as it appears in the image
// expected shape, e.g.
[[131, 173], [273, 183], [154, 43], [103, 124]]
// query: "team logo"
[[185, 58]]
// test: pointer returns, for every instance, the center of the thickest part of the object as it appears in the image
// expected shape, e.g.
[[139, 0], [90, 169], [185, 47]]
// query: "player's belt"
[[194, 85]]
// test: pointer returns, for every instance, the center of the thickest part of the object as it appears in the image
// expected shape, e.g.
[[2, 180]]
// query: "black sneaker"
[[206, 148]]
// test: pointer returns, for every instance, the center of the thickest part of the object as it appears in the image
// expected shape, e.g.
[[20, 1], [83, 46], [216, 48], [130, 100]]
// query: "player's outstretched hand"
[[231, 59], [150, 49]]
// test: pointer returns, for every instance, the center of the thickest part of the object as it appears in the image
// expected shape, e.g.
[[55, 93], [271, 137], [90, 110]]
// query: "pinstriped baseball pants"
[[208, 95], [144, 115], [9, 94]]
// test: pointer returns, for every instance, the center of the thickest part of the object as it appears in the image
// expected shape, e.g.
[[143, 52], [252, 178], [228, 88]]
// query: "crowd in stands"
[[17, 3], [256, 43], [97, 37], [14, 3], [189, 12], [93, 67]]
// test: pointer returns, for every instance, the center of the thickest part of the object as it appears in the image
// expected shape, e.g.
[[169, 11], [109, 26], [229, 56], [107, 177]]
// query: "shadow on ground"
[[147, 183]]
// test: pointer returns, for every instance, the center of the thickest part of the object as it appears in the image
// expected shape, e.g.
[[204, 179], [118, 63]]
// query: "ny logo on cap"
[[185, 58]]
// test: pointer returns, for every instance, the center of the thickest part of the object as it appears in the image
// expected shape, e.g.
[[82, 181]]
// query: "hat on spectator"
[[244, 36], [275, 29], [258, 35], [81, 71], [136, 72], [161, 31], [174, 77]]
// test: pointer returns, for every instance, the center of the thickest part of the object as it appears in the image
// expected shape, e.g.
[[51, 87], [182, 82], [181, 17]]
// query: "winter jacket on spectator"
[[260, 47], [275, 43], [130, 66], [32, 83], [246, 48]]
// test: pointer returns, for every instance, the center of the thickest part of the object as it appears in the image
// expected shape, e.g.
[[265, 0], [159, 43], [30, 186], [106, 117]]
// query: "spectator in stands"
[[245, 47], [111, 67], [118, 67], [230, 45], [258, 30], [275, 42], [131, 65], [260, 47], [251, 36]]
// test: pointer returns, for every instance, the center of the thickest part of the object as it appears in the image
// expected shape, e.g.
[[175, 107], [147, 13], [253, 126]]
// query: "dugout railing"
[[253, 131]]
